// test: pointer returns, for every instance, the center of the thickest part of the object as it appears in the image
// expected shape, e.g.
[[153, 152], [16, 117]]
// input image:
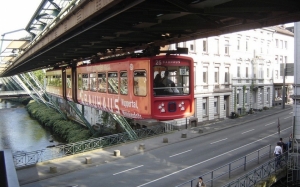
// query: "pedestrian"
[[200, 182], [277, 153], [282, 145]]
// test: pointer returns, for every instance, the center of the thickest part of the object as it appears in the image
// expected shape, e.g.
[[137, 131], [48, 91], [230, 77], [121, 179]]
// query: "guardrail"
[[235, 168], [256, 175], [30, 158]]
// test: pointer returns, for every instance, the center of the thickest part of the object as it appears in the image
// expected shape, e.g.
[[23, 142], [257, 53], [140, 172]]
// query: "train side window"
[[53, 80], [55, 83], [93, 82], [140, 83], [124, 83], [69, 81], [113, 83], [58, 81], [102, 82], [80, 81], [85, 81], [47, 80]]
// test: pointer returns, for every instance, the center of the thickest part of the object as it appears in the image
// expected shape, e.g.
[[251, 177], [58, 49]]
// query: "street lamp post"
[[283, 91]]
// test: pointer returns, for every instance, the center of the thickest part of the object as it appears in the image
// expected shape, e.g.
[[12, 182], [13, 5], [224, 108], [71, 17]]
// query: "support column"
[[296, 130]]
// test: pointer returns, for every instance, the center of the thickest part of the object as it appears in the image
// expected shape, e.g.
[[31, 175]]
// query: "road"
[[176, 163]]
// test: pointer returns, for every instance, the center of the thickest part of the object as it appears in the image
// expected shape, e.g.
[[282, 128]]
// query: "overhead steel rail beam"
[[93, 29]]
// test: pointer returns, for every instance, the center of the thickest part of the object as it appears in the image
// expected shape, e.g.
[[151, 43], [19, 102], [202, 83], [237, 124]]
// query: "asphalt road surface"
[[176, 163]]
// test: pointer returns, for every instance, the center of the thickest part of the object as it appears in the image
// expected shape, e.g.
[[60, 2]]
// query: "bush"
[[69, 131]]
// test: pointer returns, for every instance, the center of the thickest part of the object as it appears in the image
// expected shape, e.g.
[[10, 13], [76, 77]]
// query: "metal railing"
[[256, 175], [30, 158], [217, 176]]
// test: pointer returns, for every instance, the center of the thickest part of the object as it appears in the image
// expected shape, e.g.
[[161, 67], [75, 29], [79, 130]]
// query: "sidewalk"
[[97, 157]]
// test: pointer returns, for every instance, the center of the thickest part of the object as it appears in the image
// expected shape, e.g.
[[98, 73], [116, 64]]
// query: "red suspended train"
[[159, 87]]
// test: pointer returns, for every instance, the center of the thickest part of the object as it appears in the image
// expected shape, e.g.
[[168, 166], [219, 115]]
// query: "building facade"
[[239, 72]]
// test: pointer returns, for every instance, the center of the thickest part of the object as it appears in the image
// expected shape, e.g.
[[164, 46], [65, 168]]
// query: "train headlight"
[[161, 108]]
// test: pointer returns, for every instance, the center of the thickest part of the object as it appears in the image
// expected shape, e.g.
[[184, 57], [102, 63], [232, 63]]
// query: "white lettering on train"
[[160, 62], [129, 104], [131, 115], [110, 105]]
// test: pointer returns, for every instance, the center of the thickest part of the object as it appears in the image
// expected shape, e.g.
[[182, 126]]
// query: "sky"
[[15, 15]]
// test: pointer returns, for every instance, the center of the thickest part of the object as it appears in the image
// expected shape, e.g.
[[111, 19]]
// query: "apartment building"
[[284, 55], [238, 72]]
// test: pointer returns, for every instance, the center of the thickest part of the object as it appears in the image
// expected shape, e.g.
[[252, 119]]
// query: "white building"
[[236, 72], [284, 54]]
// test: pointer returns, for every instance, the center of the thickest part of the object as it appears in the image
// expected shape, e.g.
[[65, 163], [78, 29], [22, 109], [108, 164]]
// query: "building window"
[[285, 44], [276, 43], [226, 47], [216, 75], [238, 97], [276, 58], [191, 47], [238, 45], [276, 74], [280, 59], [216, 109], [281, 44], [285, 59], [217, 47], [261, 72], [205, 72], [267, 72], [204, 106], [205, 45], [247, 47], [238, 71], [226, 75], [246, 72]]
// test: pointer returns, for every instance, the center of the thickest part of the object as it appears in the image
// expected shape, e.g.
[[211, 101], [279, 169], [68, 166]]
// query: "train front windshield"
[[171, 80]]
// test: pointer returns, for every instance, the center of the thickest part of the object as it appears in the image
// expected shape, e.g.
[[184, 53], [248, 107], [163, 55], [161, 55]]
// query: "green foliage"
[[69, 131], [40, 75]]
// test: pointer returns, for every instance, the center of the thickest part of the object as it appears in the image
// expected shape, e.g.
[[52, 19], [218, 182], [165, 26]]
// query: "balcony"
[[208, 88], [245, 81], [222, 88]]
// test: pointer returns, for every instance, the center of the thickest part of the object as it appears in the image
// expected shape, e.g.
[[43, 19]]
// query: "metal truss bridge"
[[63, 32]]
